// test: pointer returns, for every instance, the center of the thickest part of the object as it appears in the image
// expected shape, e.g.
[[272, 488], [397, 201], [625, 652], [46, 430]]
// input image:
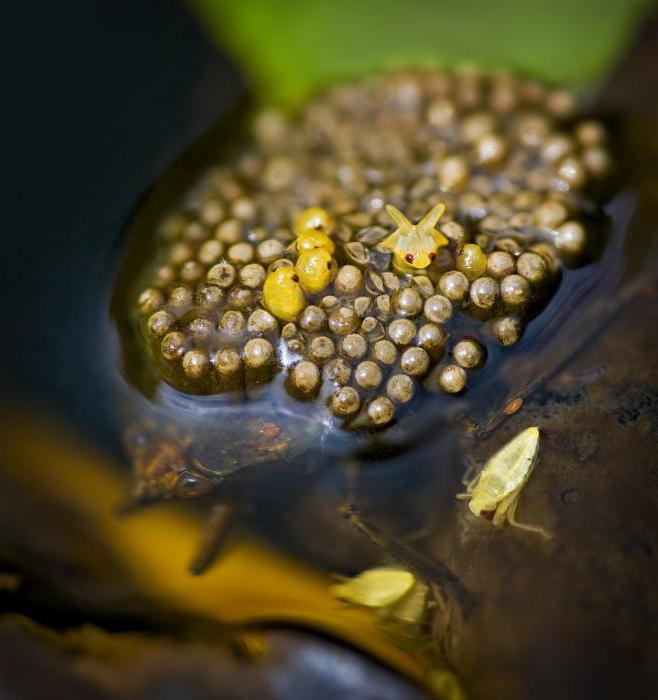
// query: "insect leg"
[[469, 483], [507, 504], [511, 519]]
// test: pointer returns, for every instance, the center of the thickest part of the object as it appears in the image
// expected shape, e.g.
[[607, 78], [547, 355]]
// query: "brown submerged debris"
[[321, 255]]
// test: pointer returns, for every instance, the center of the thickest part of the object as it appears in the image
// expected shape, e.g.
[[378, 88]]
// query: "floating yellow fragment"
[[375, 588], [411, 607]]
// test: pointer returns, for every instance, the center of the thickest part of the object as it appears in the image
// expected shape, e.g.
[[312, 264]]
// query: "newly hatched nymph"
[[283, 295], [414, 246], [315, 265], [494, 492], [315, 269]]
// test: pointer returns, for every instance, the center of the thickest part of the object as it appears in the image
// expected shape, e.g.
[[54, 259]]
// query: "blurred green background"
[[290, 48]]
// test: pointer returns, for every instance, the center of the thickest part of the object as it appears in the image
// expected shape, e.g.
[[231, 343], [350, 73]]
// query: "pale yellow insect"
[[411, 607], [315, 269], [283, 295], [375, 588], [314, 219], [414, 246], [312, 240], [494, 492], [393, 591]]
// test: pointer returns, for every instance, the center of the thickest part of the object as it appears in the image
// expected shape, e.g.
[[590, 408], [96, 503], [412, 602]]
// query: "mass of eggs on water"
[[343, 249]]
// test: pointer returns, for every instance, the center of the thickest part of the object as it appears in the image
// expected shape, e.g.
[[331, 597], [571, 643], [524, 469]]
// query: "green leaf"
[[292, 48]]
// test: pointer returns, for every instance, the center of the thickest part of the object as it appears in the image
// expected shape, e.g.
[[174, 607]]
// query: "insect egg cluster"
[[344, 251]]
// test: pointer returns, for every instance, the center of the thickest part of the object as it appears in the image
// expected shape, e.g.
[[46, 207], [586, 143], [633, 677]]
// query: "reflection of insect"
[[391, 590], [494, 492], [414, 246]]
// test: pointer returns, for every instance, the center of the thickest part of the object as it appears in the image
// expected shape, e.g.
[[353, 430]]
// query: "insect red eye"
[[432, 256], [409, 257]]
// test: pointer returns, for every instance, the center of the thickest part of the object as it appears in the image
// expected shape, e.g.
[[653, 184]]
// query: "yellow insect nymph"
[[283, 295], [494, 492], [414, 246], [391, 590], [312, 240], [375, 588], [314, 219], [315, 269]]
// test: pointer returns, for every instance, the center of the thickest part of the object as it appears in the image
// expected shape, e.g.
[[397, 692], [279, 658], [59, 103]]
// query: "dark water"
[[402, 482], [575, 618]]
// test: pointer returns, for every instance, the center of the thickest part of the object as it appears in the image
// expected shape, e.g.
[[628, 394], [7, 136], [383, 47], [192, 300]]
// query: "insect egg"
[[355, 305]]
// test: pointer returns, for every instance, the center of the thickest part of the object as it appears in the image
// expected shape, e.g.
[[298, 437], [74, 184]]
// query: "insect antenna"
[[430, 220], [399, 218]]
